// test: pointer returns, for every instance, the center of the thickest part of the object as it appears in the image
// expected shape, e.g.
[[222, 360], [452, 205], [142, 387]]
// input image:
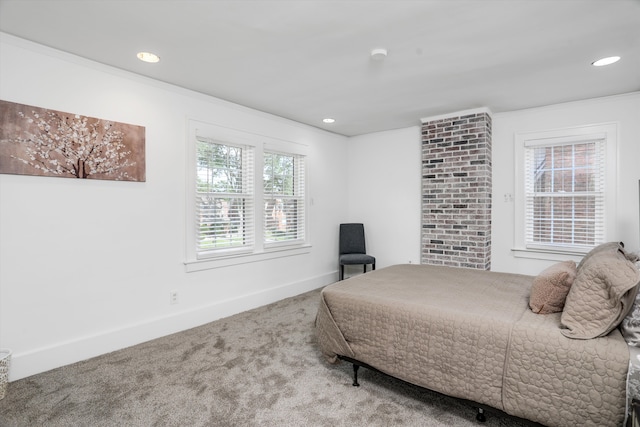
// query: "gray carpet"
[[258, 368]]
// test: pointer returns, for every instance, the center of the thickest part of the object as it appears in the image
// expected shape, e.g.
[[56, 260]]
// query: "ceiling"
[[306, 60]]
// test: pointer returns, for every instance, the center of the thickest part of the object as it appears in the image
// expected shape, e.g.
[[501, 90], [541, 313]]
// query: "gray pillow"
[[609, 246], [603, 293], [630, 326]]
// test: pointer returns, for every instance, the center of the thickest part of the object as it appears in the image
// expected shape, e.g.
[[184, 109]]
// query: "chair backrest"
[[352, 239]]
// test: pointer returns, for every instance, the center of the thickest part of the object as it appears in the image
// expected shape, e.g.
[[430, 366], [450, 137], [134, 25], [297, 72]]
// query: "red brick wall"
[[456, 191]]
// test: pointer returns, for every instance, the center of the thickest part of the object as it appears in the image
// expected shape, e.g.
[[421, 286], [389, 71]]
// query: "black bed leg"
[[355, 375], [480, 417]]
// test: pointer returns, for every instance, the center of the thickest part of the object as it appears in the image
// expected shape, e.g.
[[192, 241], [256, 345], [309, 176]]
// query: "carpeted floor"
[[258, 368]]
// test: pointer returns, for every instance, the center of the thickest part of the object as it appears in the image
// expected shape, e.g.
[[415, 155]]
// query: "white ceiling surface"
[[306, 60]]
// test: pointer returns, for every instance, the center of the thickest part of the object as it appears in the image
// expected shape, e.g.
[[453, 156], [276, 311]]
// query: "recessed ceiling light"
[[379, 54], [605, 61], [329, 120], [148, 57]]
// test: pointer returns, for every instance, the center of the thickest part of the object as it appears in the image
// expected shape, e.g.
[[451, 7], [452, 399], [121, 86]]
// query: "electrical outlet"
[[173, 297]]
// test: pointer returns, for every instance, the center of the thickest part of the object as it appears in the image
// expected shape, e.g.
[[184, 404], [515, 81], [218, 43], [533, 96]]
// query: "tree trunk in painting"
[[80, 169]]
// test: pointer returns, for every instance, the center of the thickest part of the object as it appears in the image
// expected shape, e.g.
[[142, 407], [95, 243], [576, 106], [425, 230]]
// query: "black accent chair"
[[352, 248]]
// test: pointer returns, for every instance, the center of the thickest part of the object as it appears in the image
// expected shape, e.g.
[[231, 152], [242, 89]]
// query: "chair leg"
[[364, 270], [341, 271], [373, 265]]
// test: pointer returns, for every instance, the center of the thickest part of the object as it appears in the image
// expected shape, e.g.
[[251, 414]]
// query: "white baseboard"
[[64, 353]]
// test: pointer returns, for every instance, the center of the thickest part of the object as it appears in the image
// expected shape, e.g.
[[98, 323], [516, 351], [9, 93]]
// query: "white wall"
[[623, 110], [86, 266], [384, 180]]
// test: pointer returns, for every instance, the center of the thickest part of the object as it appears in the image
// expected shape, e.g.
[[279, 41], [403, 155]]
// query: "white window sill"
[[547, 255], [226, 261]]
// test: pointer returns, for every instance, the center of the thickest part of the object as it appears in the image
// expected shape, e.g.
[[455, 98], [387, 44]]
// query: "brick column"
[[456, 190]]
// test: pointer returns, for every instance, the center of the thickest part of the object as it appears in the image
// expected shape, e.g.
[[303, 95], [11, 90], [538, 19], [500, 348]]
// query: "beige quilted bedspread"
[[470, 334]]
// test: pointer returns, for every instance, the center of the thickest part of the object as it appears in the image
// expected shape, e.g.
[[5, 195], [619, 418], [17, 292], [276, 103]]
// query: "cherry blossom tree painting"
[[38, 141]]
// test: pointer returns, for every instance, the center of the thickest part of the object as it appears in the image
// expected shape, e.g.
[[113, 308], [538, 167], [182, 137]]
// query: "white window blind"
[[224, 197], [564, 193], [284, 198]]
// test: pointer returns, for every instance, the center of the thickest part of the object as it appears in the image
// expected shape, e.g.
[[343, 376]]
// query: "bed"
[[473, 335]]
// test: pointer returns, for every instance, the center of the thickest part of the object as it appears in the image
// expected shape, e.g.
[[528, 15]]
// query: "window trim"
[[606, 131], [260, 144]]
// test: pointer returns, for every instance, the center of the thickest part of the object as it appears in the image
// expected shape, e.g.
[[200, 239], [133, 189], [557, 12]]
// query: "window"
[[283, 181], [564, 194], [567, 189], [224, 196], [246, 197]]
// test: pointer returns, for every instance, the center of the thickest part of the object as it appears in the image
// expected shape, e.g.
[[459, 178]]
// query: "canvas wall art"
[[43, 142]]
